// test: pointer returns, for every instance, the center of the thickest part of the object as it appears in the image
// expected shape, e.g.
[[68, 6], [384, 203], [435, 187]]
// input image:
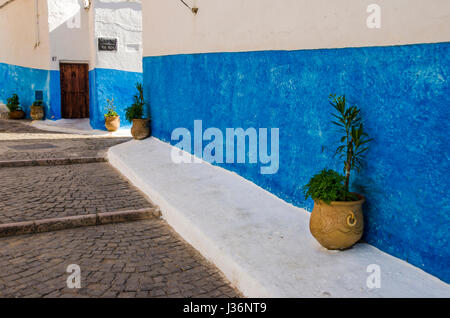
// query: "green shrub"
[[110, 109], [38, 103], [328, 186], [136, 110], [13, 103]]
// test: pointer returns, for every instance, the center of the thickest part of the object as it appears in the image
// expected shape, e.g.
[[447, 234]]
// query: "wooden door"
[[74, 90]]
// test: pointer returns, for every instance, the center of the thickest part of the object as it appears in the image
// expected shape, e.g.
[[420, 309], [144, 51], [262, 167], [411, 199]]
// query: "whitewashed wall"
[[18, 34], [69, 32], [122, 20], [74, 32], [247, 25]]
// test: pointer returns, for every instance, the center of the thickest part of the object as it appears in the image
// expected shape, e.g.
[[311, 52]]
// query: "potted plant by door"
[[15, 111], [337, 218], [112, 119], [37, 110], [140, 128]]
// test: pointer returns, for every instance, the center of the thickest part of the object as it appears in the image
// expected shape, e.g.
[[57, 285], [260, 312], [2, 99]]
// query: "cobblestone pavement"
[[21, 142], [137, 259], [34, 193]]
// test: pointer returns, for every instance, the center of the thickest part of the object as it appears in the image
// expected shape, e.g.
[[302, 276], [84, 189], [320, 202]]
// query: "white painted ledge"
[[77, 126], [261, 243]]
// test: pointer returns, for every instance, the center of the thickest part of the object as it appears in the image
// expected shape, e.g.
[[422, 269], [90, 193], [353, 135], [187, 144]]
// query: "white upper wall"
[[74, 33], [18, 34], [121, 19], [249, 25], [69, 31]]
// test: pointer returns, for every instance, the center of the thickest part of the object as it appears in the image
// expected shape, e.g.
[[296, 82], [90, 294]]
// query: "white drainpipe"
[[38, 41]]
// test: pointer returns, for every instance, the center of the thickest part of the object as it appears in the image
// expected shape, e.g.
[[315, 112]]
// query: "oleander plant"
[[337, 220], [135, 114]]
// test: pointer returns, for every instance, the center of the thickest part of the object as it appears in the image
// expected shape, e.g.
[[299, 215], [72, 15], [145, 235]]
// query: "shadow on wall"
[[403, 94], [25, 81], [69, 41], [103, 83]]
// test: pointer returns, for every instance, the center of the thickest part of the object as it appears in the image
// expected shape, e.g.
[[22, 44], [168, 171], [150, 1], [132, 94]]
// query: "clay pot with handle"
[[338, 225]]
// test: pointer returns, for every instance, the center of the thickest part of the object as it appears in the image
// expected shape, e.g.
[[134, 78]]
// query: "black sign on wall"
[[107, 44]]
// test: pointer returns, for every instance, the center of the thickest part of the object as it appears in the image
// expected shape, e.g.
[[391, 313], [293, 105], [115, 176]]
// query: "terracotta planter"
[[17, 114], [339, 225], [140, 129], [37, 112], [112, 123]]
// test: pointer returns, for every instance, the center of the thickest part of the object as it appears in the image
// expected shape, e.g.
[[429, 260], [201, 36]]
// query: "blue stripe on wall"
[[107, 84], [54, 112], [403, 92], [104, 83], [24, 82]]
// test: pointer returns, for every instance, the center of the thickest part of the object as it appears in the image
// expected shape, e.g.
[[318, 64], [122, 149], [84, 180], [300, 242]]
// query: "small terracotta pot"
[[338, 225], [140, 129], [112, 123], [37, 112], [17, 114]]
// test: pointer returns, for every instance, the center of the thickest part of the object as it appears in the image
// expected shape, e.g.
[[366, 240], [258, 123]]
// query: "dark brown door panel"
[[74, 90]]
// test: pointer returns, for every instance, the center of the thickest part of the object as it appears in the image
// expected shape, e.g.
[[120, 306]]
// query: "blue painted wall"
[[54, 109], [404, 94], [24, 82], [104, 83], [107, 84]]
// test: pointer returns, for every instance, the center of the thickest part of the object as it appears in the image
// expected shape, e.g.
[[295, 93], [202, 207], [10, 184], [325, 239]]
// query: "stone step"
[[49, 162], [63, 223]]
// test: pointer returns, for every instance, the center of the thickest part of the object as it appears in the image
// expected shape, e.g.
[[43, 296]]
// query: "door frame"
[[81, 62]]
